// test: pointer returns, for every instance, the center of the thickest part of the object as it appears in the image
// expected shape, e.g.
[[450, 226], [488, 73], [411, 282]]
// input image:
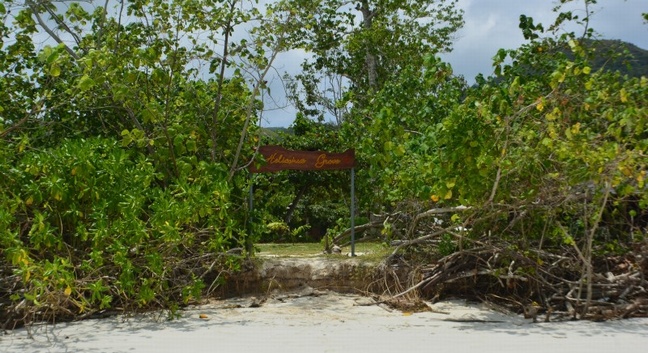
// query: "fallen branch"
[[357, 229], [432, 212], [450, 230]]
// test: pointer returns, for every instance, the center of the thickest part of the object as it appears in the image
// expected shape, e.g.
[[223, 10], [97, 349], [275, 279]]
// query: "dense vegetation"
[[125, 136], [616, 55]]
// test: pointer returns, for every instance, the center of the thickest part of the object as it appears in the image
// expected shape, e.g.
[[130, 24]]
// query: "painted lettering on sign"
[[323, 160], [276, 158]]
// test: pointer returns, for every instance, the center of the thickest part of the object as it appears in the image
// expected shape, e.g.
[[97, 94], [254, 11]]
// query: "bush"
[[87, 226]]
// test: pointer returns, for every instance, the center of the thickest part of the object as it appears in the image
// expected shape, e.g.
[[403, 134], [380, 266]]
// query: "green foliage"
[[447, 245], [400, 144], [91, 227], [566, 137], [278, 232], [549, 153], [360, 46], [119, 165], [121, 143], [615, 55]]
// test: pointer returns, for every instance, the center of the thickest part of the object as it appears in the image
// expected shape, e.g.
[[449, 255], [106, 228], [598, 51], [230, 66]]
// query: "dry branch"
[[519, 278], [434, 212], [357, 229]]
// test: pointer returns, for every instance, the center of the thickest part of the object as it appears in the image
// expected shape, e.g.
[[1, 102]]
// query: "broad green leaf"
[[624, 95], [448, 195], [589, 84], [568, 240], [85, 83], [55, 70]]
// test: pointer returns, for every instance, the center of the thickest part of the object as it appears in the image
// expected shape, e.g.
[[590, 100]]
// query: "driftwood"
[[382, 219], [431, 213], [357, 230], [534, 282]]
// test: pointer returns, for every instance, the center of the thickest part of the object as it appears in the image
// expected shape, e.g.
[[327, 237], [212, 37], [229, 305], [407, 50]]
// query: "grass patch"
[[371, 251]]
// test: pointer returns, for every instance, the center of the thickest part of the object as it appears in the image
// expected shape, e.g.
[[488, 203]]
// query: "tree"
[[120, 143], [369, 42], [549, 156]]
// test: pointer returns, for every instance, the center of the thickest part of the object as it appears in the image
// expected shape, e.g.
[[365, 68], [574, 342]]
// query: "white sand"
[[330, 323]]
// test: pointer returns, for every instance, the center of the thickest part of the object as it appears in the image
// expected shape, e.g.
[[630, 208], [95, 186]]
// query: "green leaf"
[[568, 240], [448, 195], [589, 84], [55, 70], [85, 83], [623, 95], [191, 145]]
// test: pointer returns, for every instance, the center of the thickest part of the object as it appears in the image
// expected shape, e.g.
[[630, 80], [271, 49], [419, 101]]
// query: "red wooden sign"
[[278, 158]]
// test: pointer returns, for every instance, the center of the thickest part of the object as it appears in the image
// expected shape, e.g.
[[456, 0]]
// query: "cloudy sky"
[[493, 24]]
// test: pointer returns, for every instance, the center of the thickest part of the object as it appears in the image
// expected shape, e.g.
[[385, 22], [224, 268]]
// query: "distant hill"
[[274, 135], [617, 55], [276, 130], [610, 55]]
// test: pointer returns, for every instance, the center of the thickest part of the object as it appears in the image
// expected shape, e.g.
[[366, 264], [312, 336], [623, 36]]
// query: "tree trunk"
[[293, 204], [370, 58]]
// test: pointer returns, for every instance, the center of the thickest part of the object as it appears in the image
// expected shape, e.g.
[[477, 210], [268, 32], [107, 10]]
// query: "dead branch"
[[433, 212], [525, 278], [357, 229]]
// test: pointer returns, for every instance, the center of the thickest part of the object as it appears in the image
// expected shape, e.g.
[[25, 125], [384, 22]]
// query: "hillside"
[[617, 55]]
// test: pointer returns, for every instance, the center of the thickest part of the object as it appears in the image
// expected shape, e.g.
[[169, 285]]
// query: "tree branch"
[[34, 8], [432, 212]]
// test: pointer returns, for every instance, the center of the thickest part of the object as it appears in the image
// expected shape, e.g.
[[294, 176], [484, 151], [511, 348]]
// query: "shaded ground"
[[321, 321]]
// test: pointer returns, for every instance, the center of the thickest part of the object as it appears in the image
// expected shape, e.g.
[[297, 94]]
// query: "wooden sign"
[[278, 158]]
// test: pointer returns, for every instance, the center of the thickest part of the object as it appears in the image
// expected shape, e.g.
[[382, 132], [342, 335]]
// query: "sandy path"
[[329, 323]]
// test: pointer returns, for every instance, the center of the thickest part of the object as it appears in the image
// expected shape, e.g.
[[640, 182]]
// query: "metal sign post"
[[248, 240], [352, 212]]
